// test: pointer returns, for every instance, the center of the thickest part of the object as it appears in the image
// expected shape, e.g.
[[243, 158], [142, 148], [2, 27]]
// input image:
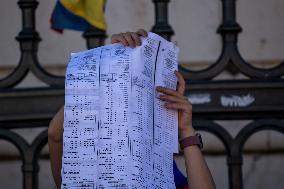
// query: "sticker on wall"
[[237, 101], [199, 98]]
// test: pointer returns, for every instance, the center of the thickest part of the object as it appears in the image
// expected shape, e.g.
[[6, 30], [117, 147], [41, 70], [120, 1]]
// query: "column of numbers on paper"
[[117, 133]]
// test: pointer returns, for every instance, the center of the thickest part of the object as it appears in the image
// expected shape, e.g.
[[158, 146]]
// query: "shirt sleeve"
[[180, 179]]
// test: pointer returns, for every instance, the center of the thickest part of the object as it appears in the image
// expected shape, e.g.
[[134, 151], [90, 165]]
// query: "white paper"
[[117, 133]]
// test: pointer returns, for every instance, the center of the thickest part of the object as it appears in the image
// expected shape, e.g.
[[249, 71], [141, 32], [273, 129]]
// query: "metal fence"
[[20, 108]]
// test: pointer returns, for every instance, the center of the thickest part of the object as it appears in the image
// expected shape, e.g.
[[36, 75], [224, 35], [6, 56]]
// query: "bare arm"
[[198, 174], [55, 143]]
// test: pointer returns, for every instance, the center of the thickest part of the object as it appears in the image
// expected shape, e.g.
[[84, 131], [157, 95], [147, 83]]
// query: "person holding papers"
[[198, 174]]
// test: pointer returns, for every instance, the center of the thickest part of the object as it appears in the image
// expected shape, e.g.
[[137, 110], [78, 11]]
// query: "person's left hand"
[[177, 101], [131, 39]]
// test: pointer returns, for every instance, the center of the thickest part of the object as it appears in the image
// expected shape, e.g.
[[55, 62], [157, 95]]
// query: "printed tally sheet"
[[117, 133]]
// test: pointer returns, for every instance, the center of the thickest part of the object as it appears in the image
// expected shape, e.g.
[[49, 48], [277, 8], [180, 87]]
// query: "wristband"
[[192, 140]]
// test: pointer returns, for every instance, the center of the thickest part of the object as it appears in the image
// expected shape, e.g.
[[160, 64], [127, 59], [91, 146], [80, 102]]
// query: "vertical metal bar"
[[29, 39], [229, 27], [28, 32], [235, 171], [229, 30], [30, 172], [162, 26], [94, 37]]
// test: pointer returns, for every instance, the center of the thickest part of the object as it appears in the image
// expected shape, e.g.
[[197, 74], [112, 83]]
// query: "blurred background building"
[[232, 96]]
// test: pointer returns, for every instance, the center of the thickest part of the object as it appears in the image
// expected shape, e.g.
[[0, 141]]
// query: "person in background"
[[198, 174]]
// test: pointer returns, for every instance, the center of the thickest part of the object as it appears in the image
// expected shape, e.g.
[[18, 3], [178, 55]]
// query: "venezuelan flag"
[[78, 15]]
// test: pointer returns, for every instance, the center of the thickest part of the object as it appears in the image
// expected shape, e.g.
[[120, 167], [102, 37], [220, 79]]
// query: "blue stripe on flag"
[[63, 19]]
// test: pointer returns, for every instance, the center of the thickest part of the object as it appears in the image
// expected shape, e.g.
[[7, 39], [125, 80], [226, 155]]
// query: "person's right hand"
[[176, 100], [131, 39]]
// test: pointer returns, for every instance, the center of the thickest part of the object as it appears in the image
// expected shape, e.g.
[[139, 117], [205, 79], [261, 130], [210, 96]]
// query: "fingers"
[[142, 33], [176, 102], [168, 91], [136, 38], [118, 38], [175, 99], [185, 107], [131, 39], [169, 98], [181, 83]]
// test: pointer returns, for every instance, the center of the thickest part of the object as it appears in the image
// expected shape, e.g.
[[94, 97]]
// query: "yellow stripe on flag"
[[91, 10]]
